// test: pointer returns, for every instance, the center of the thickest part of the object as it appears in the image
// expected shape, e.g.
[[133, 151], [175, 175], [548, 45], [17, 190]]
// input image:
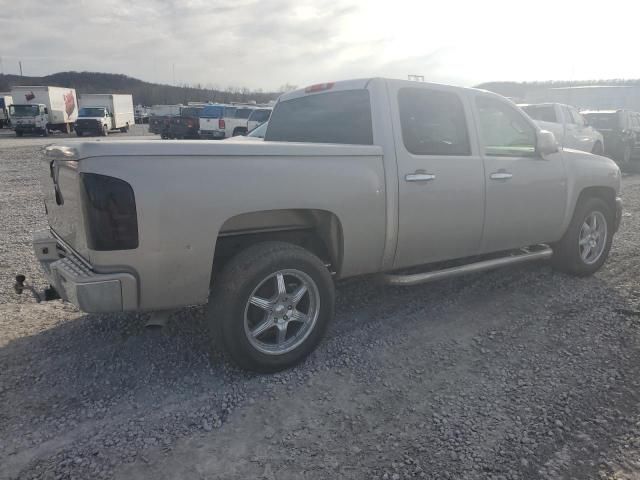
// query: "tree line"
[[144, 93]]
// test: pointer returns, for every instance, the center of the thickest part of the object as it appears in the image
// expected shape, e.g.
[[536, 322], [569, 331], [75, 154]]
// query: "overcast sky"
[[267, 43]]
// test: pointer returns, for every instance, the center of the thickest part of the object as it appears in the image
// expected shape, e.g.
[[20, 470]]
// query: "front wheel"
[[271, 306], [586, 244]]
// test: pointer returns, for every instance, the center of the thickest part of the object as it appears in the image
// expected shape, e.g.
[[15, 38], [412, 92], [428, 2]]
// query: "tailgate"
[[62, 198]]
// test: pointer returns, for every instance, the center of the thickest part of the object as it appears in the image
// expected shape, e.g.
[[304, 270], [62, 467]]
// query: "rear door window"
[[335, 117], [433, 122], [243, 112], [260, 116]]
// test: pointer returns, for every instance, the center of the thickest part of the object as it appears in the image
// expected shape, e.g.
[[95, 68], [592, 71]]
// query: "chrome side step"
[[541, 252]]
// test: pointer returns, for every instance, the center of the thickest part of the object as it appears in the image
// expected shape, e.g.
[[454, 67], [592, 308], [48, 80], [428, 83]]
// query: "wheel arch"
[[319, 231]]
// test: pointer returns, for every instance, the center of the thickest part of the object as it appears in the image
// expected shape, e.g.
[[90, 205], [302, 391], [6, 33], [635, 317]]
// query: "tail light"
[[221, 124], [109, 209]]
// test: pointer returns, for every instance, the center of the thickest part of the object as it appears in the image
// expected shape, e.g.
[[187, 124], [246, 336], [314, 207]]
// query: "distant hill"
[[518, 89], [144, 93]]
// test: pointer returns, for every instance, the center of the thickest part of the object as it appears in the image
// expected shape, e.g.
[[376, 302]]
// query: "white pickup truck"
[[568, 125], [356, 177]]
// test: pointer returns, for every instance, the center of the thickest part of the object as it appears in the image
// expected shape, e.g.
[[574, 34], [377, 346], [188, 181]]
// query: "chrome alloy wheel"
[[281, 312], [593, 237]]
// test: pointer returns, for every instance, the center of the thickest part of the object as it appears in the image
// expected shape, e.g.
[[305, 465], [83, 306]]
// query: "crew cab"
[[358, 177], [568, 125]]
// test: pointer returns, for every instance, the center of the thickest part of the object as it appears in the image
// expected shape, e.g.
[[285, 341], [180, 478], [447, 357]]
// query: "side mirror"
[[546, 143]]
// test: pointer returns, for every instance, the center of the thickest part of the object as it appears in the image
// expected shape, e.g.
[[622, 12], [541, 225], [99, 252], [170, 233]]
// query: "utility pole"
[[20, 64], [174, 74], [1, 67]]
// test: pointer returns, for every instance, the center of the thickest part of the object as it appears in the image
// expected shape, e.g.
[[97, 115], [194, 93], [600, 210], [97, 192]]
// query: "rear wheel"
[[586, 244], [271, 305], [125, 129]]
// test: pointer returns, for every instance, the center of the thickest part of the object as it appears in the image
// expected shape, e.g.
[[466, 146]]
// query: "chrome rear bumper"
[[76, 282]]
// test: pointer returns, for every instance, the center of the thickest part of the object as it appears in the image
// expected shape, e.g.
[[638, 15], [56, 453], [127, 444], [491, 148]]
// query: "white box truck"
[[5, 101], [101, 113], [42, 110]]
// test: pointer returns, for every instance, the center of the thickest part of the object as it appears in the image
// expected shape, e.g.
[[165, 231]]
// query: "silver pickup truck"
[[357, 177]]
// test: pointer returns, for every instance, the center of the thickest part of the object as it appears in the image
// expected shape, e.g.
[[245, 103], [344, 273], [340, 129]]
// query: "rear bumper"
[[28, 129], [618, 219], [77, 282], [215, 134]]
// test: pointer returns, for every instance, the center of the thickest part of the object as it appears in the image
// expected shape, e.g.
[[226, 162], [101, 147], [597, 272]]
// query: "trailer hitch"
[[20, 286]]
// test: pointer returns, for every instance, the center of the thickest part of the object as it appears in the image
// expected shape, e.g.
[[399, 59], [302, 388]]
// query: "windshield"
[[23, 110], [543, 113], [260, 115], [602, 121], [243, 112], [212, 111], [91, 112], [337, 117], [259, 131]]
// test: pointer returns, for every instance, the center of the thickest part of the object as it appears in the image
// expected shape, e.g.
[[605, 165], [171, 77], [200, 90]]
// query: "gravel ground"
[[522, 373]]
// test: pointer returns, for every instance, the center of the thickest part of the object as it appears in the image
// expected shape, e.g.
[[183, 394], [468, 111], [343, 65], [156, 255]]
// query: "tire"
[[598, 149], [625, 158], [125, 129], [568, 254], [257, 272], [105, 131], [239, 131], [19, 133], [78, 133]]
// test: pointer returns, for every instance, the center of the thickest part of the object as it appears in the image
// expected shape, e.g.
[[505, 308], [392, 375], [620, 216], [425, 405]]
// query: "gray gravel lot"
[[522, 373]]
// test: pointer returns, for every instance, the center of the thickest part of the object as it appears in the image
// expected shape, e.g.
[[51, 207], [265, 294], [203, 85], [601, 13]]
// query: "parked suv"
[[621, 132]]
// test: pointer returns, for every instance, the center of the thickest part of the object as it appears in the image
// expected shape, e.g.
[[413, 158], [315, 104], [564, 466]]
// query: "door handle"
[[419, 177], [500, 176]]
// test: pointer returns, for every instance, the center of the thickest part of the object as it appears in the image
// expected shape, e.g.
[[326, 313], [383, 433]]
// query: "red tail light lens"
[[221, 124], [320, 87]]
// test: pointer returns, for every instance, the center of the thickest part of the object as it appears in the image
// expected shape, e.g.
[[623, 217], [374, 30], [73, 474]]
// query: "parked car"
[[102, 113], [567, 125], [357, 177], [258, 117], [621, 131], [187, 124], [5, 101], [159, 116], [223, 121], [41, 110]]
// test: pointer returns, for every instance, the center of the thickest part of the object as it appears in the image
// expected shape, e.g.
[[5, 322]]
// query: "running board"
[[542, 252]]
